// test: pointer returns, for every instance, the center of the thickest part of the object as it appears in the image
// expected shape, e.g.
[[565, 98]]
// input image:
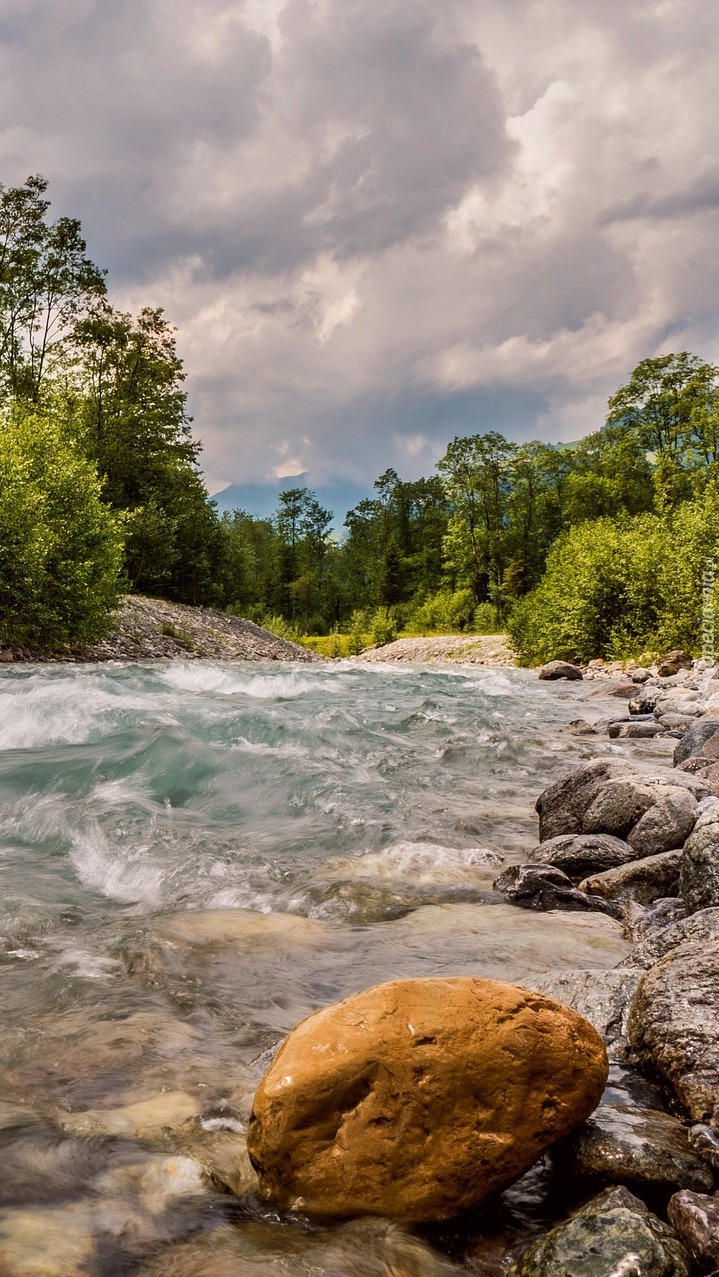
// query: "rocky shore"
[[403, 1100], [465, 649], [153, 629]]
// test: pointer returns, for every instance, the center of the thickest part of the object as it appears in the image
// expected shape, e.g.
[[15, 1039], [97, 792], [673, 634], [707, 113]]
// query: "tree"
[[46, 283], [476, 474], [60, 545]]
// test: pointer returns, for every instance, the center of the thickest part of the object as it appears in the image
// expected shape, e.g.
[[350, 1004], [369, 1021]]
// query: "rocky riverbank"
[[641, 842], [469, 649], [153, 629]]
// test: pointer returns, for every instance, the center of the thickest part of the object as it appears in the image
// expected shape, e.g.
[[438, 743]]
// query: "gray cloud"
[[378, 226]]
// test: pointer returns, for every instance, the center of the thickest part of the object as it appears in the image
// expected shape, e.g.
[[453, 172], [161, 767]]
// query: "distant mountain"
[[261, 499]]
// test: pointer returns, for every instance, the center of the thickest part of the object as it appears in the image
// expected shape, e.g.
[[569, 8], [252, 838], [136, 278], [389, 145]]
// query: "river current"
[[193, 856]]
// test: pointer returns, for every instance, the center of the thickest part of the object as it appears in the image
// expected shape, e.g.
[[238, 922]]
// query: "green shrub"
[[486, 619], [383, 627], [614, 588], [61, 548], [445, 612]]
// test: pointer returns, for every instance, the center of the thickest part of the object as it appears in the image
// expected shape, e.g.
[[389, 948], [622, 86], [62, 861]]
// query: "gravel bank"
[[470, 649], [152, 629]]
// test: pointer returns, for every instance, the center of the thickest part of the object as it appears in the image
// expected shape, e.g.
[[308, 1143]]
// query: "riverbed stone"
[[560, 669], [579, 855], [643, 880], [561, 806], [544, 887], [617, 806], [674, 1026], [635, 731], [700, 926], [666, 825], [673, 662], [603, 998], [699, 879], [613, 1235], [641, 921], [419, 1098], [694, 741], [705, 1139], [695, 1218], [623, 1144]]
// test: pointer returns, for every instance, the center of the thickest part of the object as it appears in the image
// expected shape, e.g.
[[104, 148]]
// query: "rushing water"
[[192, 857]]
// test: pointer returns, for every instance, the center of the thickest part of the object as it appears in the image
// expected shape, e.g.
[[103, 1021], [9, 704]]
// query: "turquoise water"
[[196, 855]]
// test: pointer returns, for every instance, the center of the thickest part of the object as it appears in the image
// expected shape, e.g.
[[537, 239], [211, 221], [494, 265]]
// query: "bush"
[[445, 612], [383, 628], [61, 548], [486, 619], [613, 588]]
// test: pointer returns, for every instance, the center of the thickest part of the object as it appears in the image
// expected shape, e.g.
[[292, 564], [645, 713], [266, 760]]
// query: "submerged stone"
[[419, 1098], [614, 1235], [625, 1144]]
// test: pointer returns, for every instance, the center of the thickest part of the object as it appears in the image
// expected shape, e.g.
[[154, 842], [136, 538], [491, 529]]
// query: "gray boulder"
[[705, 1139], [699, 878], [642, 880], [604, 998], [665, 825], [614, 1235], [673, 662], [562, 805], [692, 742], [545, 887], [695, 1219], [635, 731], [655, 946], [641, 921], [617, 806], [582, 854], [642, 1147], [674, 1025], [560, 669]]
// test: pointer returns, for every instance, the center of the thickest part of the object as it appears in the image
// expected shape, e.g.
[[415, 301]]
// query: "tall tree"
[[46, 283]]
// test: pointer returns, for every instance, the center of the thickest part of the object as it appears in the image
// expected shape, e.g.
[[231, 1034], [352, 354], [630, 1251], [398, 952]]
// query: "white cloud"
[[379, 226]]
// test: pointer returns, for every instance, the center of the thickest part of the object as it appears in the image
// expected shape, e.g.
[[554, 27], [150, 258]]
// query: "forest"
[[597, 548]]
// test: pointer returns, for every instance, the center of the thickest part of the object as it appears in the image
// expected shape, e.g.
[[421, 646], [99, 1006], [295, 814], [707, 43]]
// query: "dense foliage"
[[595, 548]]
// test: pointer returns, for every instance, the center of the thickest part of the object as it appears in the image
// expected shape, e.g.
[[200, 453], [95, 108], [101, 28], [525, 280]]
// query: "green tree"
[[60, 545], [46, 283], [476, 473]]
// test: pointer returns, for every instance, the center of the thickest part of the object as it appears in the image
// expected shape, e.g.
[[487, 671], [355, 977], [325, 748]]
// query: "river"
[[193, 856]]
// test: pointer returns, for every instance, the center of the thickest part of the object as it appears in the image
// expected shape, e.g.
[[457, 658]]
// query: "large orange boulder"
[[419, 1098]]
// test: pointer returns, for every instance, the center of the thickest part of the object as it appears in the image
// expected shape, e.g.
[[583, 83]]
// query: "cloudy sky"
[[381, 223]]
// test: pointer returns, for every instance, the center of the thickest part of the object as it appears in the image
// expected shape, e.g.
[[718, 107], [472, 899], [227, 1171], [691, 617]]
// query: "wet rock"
[[694, 741], [604, 998], [419, 1098], [666, 825], [644, 1147], [562, 805], [696, 1220], [673, 662], [6, 656], [705, 1139], [560, 669], [614, 1235], [689, 705], [617, 806], [699, 879], [642, 880], [579, 855], [544, 887], [674, 1025], [635, 731], [694, 765], [675, 722], [641, 921], [645, 701], [700, 926]]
